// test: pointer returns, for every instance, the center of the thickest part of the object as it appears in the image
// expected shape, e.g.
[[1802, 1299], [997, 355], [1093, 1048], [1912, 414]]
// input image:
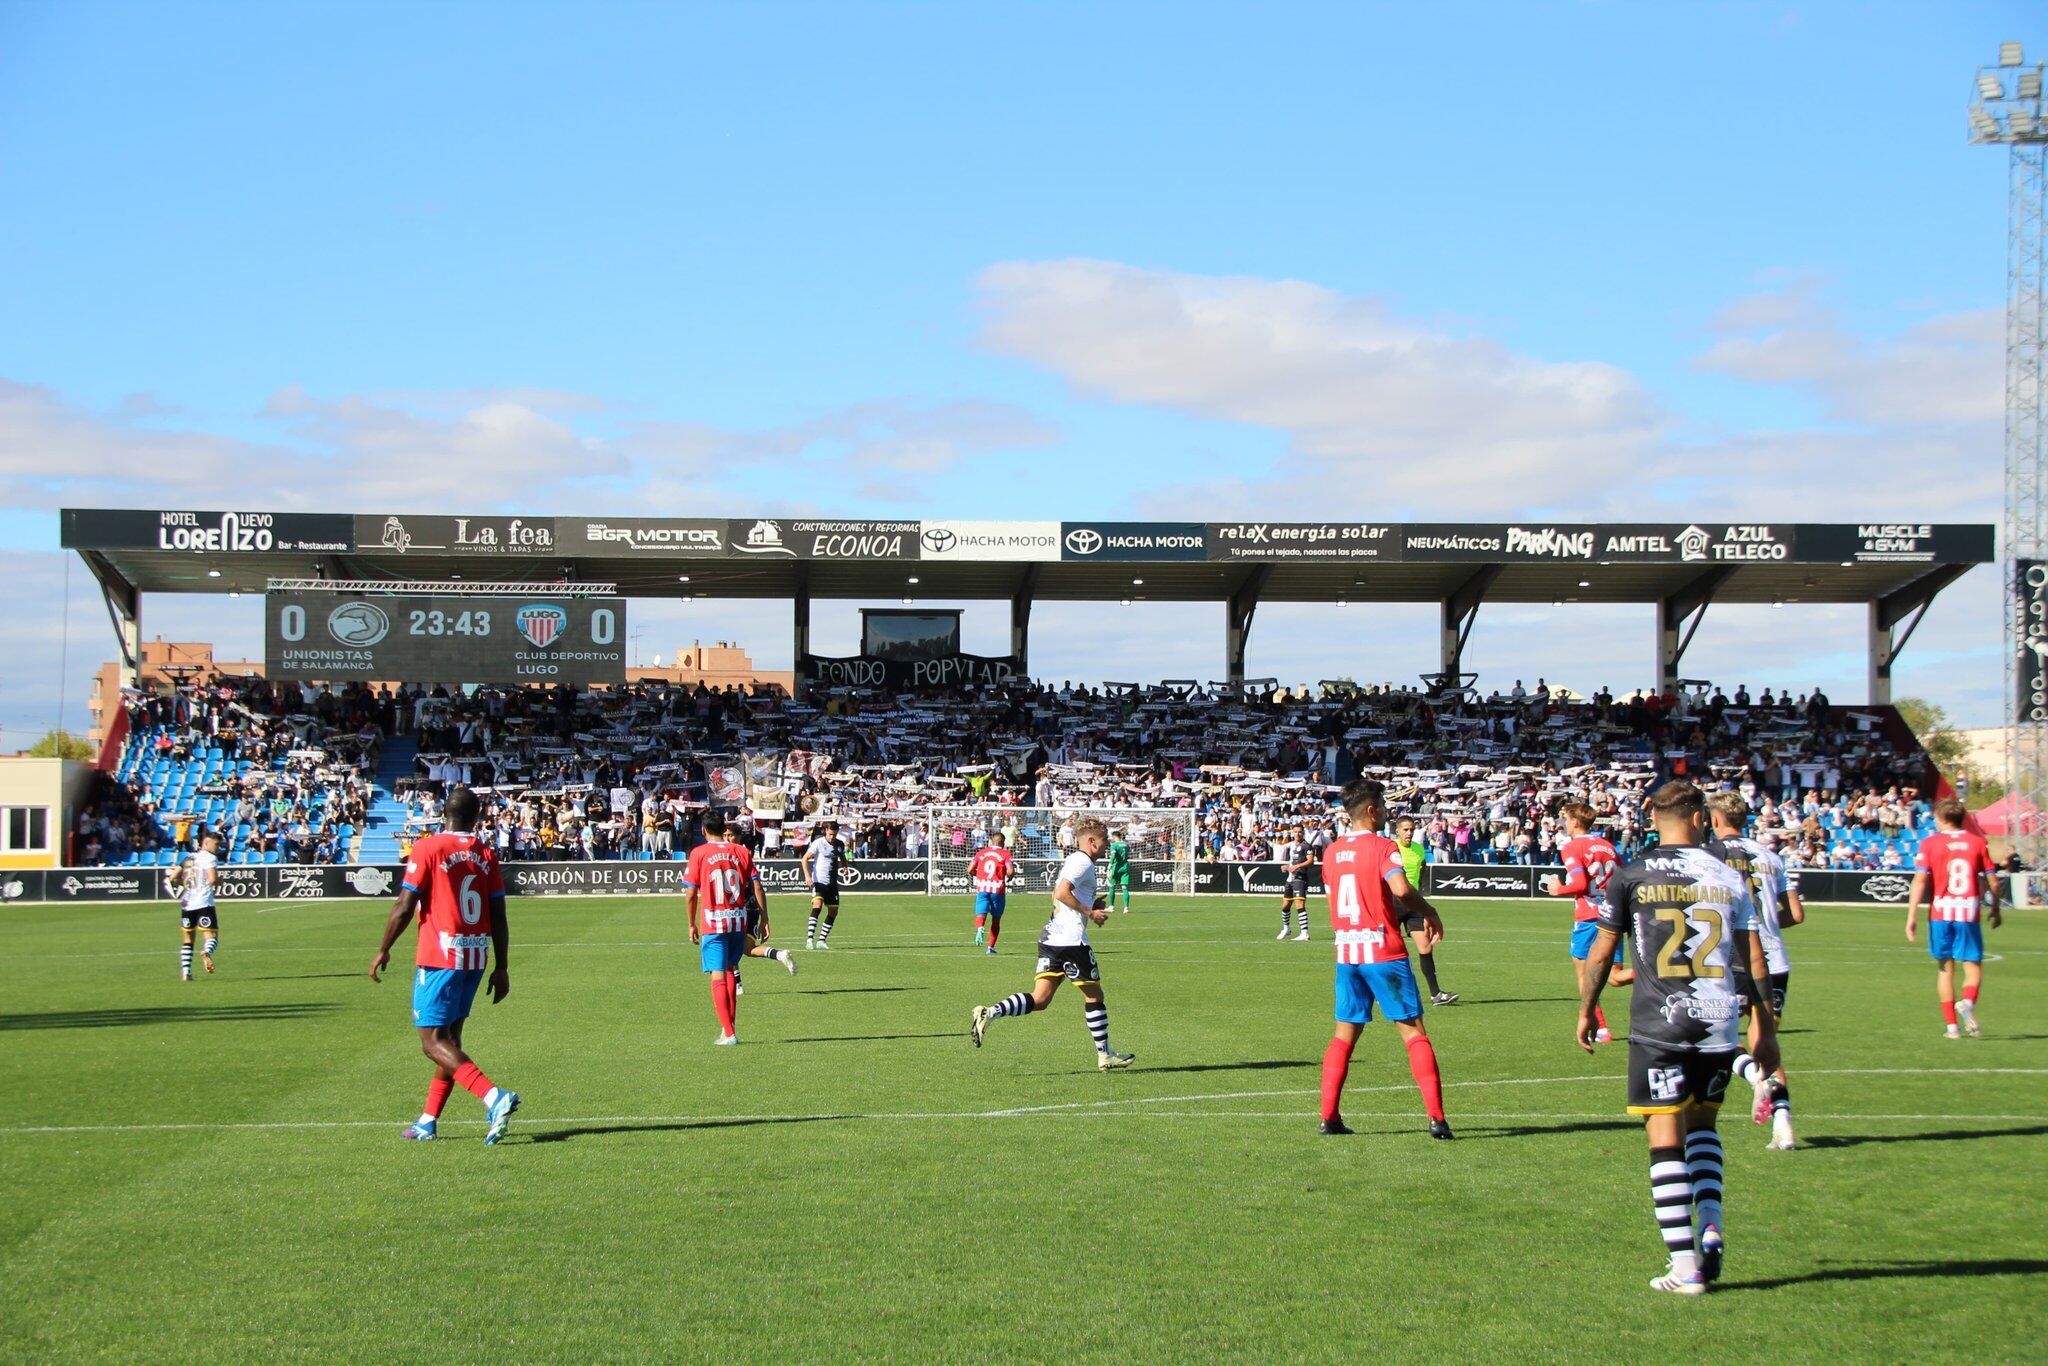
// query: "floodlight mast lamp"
[[2006, 109]]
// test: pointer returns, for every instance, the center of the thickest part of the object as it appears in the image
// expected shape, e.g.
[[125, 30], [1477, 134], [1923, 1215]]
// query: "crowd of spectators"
[[627, 772]]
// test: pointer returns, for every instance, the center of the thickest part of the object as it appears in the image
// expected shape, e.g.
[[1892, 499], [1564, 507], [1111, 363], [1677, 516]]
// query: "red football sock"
[[980, 922], [1599, 1017], [1422, 1062], [1948, 1011], [1336, 1063], [722, 1002], [437, 1095], [1970, 995], [472, 1080], [995, 932]]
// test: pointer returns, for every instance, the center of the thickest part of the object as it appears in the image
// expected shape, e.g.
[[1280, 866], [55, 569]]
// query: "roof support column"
[[800, 614], [124, 609], [1458, 612], [1020, 620], [1678, 619], [1237, 625], [1904, 607]]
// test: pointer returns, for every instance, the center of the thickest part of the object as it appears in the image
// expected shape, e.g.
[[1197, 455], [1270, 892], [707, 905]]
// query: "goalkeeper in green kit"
[[1119, 872]]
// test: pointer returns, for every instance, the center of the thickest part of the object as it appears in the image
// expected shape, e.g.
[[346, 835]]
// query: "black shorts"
[[1664, 1080], [826, 892], [754, 923], [1296, 889], [205, 918], [1075, 962], [1745, 987]]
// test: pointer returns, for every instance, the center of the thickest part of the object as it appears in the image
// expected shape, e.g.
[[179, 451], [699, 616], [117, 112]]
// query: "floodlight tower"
[[2006, 108]]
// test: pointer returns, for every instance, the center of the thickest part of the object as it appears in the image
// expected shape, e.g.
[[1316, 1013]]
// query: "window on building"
[[25, 830]]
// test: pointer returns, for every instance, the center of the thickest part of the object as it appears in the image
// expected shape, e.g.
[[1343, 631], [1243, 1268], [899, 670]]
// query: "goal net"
[[1161, 840]]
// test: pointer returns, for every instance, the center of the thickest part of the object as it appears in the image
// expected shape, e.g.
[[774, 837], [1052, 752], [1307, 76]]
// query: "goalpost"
[[1161, 839]]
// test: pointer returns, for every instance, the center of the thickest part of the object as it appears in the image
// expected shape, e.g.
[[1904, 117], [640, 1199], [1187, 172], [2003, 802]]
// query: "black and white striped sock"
[[1781, 1098], [1018, 1004], [1301, 918], [1098, 1026], [185, 960], [1671, 1194], [1746, 1068], [812, 932], [212, 943], [1703, 1165], [825, 931]]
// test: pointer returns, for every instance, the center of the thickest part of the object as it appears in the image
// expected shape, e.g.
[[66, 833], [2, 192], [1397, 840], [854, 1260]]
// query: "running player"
[[1120, 871], [1693, 922], [757, 937], [720, 886], [1956, 866], [193, 880], [453, 880], [1589, 861], [1425, 937], [990, 871], [821, 861], [1366, 881], [1293, 858], [1064, 952], [1777, 905]]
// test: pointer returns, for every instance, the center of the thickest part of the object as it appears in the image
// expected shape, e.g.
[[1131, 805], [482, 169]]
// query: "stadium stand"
[[291, 773]]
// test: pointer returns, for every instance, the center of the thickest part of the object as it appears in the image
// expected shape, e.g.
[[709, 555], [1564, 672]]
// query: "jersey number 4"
[[1672, 959]]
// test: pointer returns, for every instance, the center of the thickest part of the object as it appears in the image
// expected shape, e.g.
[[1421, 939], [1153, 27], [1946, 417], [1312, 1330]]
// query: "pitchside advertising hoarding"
[[239, 883], [500, 640]]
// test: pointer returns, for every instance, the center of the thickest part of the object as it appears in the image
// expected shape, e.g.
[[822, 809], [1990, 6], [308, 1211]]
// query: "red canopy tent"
[[2006, 817]]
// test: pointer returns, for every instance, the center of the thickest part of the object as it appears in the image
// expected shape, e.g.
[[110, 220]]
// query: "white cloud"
[[1390, 417], [1943, 371], [515, 449], [1375, 407]]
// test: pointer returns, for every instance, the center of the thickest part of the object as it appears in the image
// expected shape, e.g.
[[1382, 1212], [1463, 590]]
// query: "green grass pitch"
[[213, 1170]]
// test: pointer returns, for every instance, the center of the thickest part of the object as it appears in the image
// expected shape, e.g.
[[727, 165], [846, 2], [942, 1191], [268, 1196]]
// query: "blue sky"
[[1401, 260]]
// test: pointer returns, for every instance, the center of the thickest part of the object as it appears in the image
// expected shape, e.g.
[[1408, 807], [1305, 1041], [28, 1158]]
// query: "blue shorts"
[[1960, 941], [443, 996], [990, 903], [1583, 934], [1392, 985], [722, 952]]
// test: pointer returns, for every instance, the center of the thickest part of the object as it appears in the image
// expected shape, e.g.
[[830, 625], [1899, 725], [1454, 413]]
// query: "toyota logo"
[[1083, 541], [939, 540]]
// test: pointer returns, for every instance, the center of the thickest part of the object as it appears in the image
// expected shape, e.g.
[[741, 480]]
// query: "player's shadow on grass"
[[1941, 1136], [1514, 1001], [1576, 1126], [677, 1126], [1887, 1271], [1267, 1065], [850, 991], [155, 1015], [871, 1038]]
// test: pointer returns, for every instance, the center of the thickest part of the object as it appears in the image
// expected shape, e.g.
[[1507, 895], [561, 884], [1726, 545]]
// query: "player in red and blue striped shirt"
[[453, 880], [1370, 897], [1955, 866]]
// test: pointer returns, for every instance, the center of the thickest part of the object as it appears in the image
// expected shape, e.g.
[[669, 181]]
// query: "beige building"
[[39, 801], [717, 665]]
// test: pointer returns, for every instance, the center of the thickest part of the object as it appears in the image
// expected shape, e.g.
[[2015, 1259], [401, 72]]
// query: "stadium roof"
[[150, 551]]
